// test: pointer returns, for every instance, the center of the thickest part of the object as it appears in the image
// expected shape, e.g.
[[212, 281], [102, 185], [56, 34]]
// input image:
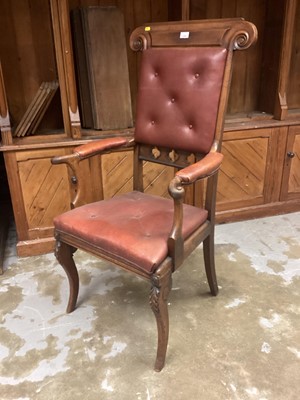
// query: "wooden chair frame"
[[231, 34]]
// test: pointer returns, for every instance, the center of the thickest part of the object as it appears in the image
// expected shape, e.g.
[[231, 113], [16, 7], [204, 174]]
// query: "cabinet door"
[[45, 190], [48, 189], [291, 173], [251, 172]]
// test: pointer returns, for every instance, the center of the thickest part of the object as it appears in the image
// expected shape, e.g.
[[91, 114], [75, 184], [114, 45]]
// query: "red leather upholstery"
[[97, 146], [124, 225], [207, 166], [178, 97]]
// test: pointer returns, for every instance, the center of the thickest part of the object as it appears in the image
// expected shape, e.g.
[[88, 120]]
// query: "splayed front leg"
[[64, 254], [161, 286]]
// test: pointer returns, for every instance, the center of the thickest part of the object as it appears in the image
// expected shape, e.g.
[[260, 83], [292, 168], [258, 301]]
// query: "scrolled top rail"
[[241, 36], [139, 41], [230, 33]]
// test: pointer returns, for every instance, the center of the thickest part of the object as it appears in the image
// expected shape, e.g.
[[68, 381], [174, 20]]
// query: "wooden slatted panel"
[[271, 33], [159, 10], [242, 175], [117, 173], [198, 9], [157, 178], [117, 169], [245, 89], [293, 95]]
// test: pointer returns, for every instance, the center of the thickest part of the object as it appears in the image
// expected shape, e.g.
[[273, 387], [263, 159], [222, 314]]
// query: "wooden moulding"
[[65, 66], [257, 211], [5, 127], [281, 106], [185, 10], [35, 247]]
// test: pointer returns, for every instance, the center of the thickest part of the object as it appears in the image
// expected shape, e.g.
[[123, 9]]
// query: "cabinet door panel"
[[294, 178], [45, 190], [291, 174], [243, 169], [252, 168]]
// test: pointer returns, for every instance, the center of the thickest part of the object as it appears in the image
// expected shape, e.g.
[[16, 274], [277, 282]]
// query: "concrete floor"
[[243, 344]]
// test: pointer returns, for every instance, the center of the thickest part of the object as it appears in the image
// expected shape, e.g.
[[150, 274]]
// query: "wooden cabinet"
[[43, 187], [260, 174]]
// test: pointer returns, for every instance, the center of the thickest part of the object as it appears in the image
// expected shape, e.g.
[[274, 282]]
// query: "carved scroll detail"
[[138, 44], [241, 35], [139, 41], [176, 189], [241, 41]]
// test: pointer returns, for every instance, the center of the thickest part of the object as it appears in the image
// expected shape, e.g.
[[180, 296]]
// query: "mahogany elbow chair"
[[183, 89]]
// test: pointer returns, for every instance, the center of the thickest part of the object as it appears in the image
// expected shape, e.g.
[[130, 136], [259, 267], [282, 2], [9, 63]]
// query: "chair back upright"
[[184, 81]]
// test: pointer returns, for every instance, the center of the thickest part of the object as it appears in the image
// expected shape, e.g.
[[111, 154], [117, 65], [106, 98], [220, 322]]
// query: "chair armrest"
[[201, 169], [93, 148], [99, 146]]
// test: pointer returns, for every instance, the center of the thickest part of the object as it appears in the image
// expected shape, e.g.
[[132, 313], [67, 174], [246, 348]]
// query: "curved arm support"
[[204, 168], [86, 151], [175, 240]]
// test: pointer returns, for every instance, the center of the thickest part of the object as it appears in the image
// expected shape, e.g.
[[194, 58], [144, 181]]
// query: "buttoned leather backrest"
[[178, 97]]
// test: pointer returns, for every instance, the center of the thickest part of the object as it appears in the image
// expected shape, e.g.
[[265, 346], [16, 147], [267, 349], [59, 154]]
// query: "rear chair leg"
[[209, 262], [64, 255], [161, 286]]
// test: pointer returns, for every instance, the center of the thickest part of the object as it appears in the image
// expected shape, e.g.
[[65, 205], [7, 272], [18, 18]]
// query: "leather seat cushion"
[[132, 228]]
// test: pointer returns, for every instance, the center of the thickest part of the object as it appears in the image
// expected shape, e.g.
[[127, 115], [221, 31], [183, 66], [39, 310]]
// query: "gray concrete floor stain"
[[242, 345]]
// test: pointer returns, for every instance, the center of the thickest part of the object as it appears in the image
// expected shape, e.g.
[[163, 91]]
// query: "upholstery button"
[[173, 100], [152, 122], [190, 126], [156, 74], [196, 76]]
